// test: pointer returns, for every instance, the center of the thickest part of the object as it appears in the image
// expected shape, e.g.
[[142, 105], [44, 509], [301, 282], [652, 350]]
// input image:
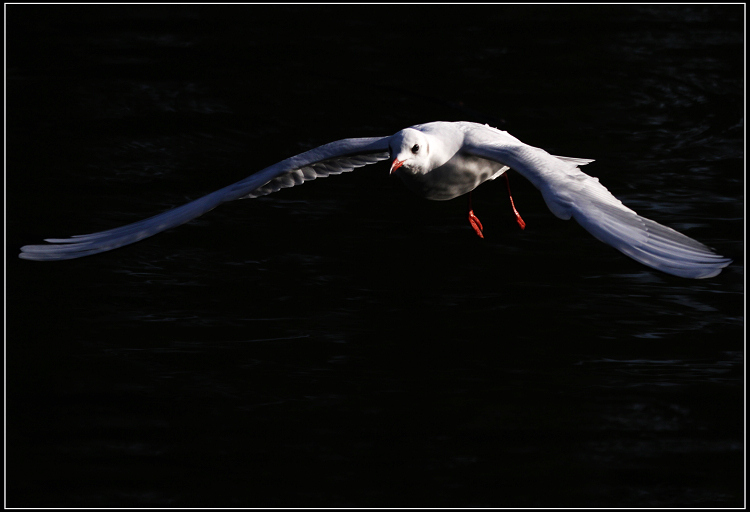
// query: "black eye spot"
[[415, 148]]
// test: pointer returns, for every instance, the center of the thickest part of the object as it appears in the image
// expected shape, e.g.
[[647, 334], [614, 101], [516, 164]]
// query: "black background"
[[345, 343]]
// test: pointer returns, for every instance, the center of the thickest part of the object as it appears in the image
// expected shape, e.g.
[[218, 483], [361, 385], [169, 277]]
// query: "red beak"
[[395, 165]]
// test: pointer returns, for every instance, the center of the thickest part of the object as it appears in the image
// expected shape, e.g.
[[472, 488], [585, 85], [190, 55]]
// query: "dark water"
[[344, 343]]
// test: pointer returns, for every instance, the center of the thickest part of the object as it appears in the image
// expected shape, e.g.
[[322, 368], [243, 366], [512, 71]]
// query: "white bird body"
[[440, 161], [454, 169], [453, 173]]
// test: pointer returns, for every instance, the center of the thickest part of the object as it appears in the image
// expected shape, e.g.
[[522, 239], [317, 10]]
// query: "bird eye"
[[415, 148]]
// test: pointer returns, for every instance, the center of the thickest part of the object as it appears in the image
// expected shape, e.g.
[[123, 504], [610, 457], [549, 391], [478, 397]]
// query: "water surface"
[[344, 343]]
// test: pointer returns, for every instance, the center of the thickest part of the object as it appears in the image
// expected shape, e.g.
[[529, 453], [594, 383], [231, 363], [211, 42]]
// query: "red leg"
[[474, 221], [518, 215]]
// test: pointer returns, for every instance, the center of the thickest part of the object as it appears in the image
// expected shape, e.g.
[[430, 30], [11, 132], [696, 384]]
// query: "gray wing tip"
[[650, 243], [53, 252], [693, 266], [706, 271]]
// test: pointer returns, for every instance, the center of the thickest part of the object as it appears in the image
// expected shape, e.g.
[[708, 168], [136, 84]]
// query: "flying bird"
[[439, 161]]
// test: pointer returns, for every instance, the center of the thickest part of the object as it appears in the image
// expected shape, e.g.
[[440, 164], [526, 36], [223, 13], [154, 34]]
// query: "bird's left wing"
[[569, 192], [333, 158]]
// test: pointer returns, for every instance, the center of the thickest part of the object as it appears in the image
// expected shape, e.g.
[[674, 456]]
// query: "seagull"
[[439, 161]]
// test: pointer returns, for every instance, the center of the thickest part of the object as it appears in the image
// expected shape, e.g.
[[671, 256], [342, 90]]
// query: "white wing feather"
[[334, 158], [569, 192]]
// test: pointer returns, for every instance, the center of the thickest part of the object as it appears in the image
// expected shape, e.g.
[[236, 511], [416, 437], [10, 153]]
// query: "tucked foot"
[[519, 220], [474, 221], [518, 215]]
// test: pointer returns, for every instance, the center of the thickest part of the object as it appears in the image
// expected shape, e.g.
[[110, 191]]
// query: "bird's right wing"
[[569, 192], [333, 158]]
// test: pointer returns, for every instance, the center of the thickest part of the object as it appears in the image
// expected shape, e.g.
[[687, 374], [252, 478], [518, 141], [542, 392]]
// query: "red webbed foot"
[[474, 221]]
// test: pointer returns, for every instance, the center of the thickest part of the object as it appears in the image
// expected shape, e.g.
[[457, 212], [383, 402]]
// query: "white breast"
[[458, 176]]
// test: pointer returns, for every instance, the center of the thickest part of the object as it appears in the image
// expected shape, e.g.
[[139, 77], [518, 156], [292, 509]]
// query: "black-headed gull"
[[440, 161]]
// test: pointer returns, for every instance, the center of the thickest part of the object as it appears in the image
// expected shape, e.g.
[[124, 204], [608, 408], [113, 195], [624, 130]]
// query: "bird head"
[[410, 151]]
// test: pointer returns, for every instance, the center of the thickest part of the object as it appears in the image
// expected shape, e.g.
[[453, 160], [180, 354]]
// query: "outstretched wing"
[[334, 158], [569, 192]]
